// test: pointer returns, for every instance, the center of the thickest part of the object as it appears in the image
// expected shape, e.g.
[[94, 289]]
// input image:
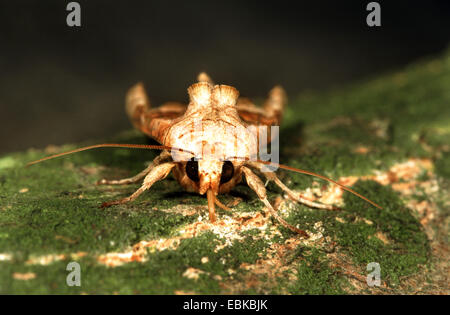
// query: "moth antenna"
[[109, 145], [293, 169], [289, 168]]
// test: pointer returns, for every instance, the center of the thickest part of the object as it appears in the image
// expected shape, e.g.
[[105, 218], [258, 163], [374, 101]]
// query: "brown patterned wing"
[[154, 122], [270, 114]]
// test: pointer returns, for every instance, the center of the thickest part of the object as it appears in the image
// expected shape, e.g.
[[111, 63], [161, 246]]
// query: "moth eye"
[[227, 172], [192, 170]]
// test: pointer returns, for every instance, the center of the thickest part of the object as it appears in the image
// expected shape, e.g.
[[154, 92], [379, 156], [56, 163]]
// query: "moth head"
[[212, 174]]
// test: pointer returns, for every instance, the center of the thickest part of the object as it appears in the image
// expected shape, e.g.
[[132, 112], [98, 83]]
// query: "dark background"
[[60, 84]]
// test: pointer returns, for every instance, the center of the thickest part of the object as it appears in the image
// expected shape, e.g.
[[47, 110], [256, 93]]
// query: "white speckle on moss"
[[5, 257], [192, 273], [24, 276]]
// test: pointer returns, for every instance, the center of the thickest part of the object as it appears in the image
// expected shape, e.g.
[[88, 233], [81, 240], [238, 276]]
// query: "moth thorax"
[[224, 95], [200, 93]]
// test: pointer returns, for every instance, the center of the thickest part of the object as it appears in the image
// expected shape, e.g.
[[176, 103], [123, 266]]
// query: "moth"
[[208, 146]]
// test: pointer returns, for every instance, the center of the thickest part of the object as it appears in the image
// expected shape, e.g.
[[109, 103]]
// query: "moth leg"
[[164, 156], [298, 197], [255, 183], [127, 181], [157, 173], [271, 176], [221, 205]]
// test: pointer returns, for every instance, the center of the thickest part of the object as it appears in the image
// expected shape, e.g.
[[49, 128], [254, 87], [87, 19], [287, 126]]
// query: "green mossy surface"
[[397, 116]]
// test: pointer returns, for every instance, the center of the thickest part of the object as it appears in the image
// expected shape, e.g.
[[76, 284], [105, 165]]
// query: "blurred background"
[[60, 84]]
